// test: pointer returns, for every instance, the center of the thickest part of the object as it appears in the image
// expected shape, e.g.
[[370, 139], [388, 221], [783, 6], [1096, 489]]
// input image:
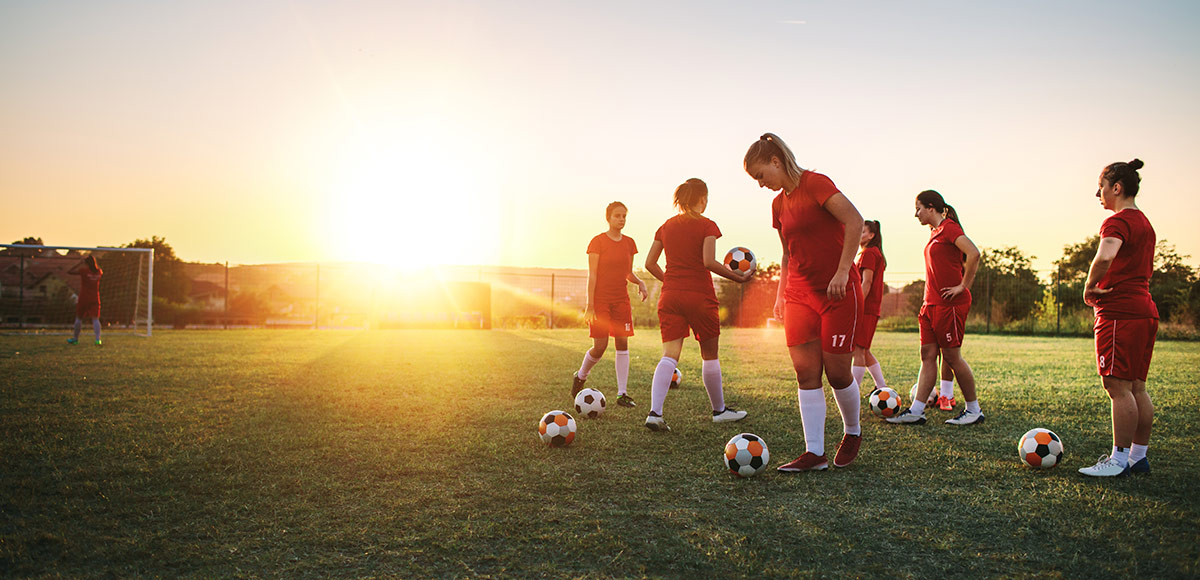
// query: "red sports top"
[[871, 258], [682, 238], [1130, 271], [89, 286], [944, 264], [812, 235], [616, 261]]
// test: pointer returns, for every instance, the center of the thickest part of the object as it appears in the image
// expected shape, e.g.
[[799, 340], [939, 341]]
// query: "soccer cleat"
[[656, 423], [847, 450], [907, 417], [1106, 466], [966, 418], [727, 415], [946, 403], [576, 384], [72, 341], [626, 401], [806, 462], [99, 343], [1140, 466]]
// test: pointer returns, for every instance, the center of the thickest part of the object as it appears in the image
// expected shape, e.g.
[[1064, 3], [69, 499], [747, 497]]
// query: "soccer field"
[[414, 454]]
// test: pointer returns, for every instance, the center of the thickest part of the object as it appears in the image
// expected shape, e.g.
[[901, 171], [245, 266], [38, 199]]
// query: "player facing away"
[[688, 300], [88, 305], [819, 298], [871, 265], [1118, 288], [610, 267], [951, 260]]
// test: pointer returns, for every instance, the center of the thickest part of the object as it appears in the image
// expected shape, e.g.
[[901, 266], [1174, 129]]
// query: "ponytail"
[[933, 199], [768, 146], [689, 193], [877, 236]]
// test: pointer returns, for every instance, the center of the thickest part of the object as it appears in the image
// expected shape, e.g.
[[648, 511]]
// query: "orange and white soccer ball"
[[676, 379], [885, 402], [557, 429], [1040, 448], [746, 455], [740, 260]]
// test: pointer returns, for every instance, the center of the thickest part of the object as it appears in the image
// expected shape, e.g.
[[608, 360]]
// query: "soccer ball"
[[931, 400], [557, 429], [676, 378], [1040, 448], [590, 403], [885, 402], [746, 455], [740, 260]]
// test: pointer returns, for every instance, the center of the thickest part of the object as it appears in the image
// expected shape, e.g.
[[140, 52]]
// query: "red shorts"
[[864, 332], [942, 324], [808, 316], [612, 319], [87, 310], [679, 311], [1124, 347]]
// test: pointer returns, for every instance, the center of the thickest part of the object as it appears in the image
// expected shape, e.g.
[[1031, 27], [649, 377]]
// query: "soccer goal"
[[40, 287]]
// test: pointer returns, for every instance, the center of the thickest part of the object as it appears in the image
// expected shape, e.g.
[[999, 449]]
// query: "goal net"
[[40, 288]]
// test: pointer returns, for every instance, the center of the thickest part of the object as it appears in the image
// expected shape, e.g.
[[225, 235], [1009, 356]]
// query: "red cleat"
[[946, 403], [847, 450], [806, 462]]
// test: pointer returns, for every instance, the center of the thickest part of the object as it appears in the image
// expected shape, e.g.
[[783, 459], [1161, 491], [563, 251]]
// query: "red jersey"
[[1130, 271], [871, 258], [616, 262], [89, 286], [812, 235], [682, 238], [944, 264]]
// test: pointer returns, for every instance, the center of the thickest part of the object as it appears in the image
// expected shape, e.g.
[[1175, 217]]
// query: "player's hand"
[[744, 277], [589, 313], [1092, 295], [837, 286], [952, 291], [778, 310], [642, 291]]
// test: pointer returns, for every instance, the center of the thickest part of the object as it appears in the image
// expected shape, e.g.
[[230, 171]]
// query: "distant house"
[[206, 295]]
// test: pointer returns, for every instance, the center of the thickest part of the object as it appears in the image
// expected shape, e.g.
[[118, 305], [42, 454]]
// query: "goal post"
[[40, 287]]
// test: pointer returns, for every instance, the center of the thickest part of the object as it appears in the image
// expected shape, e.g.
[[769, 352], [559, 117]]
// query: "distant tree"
[[1072, 270], [915, 291], [170, 281], [1172, 283], [1008, 277], [30, 241]]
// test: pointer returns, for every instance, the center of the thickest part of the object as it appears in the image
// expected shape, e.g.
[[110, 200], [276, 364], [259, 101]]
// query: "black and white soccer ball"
[[746, 455], [741, 260], [590, 403]]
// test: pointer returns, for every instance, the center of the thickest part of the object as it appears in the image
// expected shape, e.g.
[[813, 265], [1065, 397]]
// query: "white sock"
[[711, 371], [1120, 455], [661, 383], [622, 371], [877, 374], [78, 327], [947, 389], [1137, 452], [96, 327], [588, 362], [848, 401], [859, 373], [917, 407], [973, 406], [812, 419]]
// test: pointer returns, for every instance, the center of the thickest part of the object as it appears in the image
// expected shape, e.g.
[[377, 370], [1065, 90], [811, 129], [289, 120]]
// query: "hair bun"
[[1136, 164], [766, 137]]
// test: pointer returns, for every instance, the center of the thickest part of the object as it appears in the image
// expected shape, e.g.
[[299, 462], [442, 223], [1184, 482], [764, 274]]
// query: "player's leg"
[[1124, 424], [598, 330], [802, 327], [96, 329], [972, 413], [946, 389], [1138, 462], [839, 324], [859, 368], [710, 372], [622, 328], [915, 413], [660, 384], [78, 327]]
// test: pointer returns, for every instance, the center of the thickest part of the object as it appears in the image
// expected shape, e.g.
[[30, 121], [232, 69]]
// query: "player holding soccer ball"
[[688, 300], [89, 298], [1118, 287], [951, 260], [610, 266], [871, 265], [820, 294]]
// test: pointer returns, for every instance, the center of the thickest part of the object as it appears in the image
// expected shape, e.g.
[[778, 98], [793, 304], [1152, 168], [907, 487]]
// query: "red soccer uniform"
[[89, 294], [944, 265], [1127, 318], [872, 259], [688, 299], [614, 314]]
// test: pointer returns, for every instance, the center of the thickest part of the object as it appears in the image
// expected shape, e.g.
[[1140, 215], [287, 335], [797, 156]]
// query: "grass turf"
[[414, 454]]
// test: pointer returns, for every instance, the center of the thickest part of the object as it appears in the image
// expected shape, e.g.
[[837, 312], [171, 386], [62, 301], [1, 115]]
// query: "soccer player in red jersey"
[[819, 298], [688, 300], [871, 265], [88, 305], [1118, 287], [610, 267], [951, 260]]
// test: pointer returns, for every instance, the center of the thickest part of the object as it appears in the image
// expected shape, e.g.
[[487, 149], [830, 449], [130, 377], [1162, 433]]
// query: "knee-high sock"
[[96, 327], [78, 327], [859, 373], [877, 374], [588, 362], [812, 418], [622, 363], [946, 389], [848, 405], [711, 369], [661, 383]]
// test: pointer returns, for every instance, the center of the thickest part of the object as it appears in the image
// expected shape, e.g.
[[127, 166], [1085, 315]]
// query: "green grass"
[[414, 454]]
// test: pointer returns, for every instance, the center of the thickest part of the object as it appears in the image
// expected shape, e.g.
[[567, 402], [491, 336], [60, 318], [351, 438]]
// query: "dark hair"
[[768, 146], [1126, 174], [612, 206], [91, 263], [877, 241], [931, 198], [689, 193]]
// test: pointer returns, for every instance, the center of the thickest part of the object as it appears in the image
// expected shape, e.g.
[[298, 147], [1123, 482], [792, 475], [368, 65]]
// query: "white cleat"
[[907, 417], [728, 415], [966, 418], [656, 423], [1105, 467]]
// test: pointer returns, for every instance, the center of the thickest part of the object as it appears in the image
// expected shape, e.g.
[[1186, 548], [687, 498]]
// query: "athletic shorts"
[[612, 319], [87, 310], [944, 325], [1124, 347], [681, 311], [808, 316], [864, 332]]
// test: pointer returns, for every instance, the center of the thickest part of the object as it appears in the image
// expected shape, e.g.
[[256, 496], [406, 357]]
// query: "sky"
[[495, 133]]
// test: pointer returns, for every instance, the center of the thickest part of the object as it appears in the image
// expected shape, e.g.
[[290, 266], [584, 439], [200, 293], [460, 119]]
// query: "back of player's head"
[[613, 207], [90, 260], [933, 199], [1126, 174], [877, 240], [768, 146], [689, 193]]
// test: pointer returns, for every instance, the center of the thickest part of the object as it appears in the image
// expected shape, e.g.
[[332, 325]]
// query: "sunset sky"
[[477, 132]]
